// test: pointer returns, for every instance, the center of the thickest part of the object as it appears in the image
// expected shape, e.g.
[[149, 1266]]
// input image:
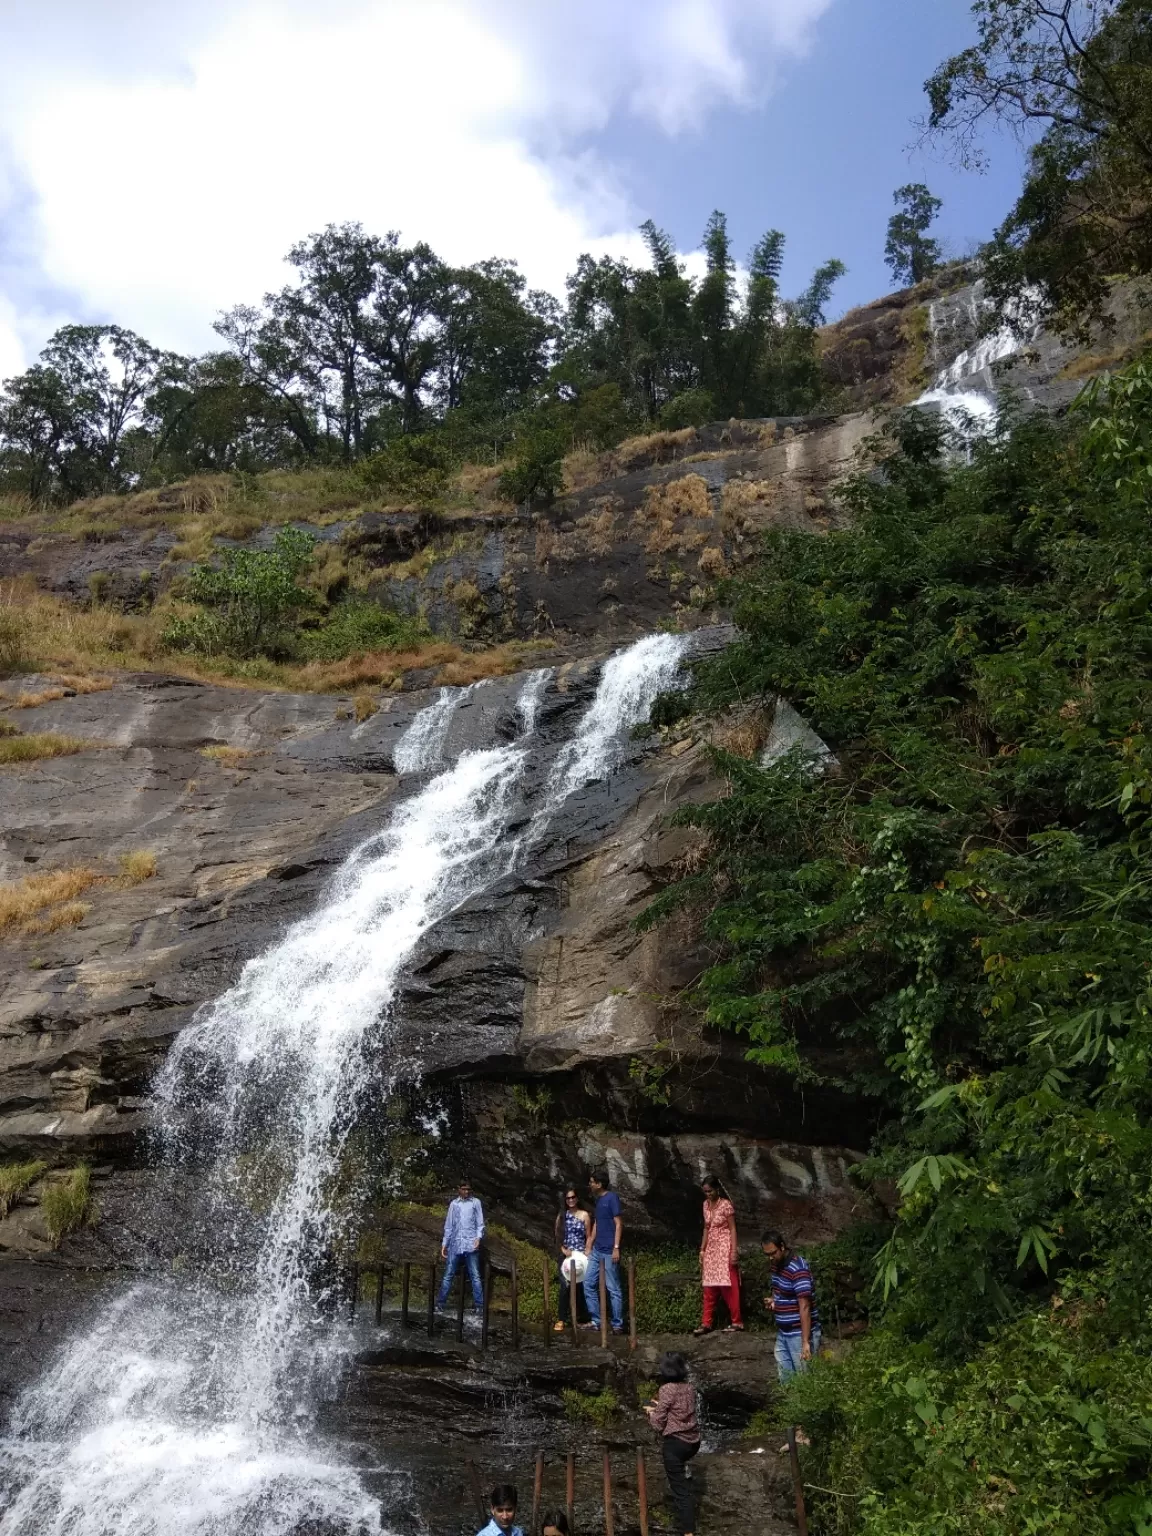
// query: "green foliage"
[[908, 250], [691, 408], [354, 626], [1081, 76], [67, 1203], [537, 470], [415, 467], [596, 1408], [15, 1179], [964, 898], [248, 601]]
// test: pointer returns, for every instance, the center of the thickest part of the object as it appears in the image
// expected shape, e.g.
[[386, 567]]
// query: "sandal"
[[699, 1332], [734, 1328], [559, 1327]]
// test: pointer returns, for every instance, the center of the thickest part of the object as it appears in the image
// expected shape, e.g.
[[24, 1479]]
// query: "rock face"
[[641, 540], [891, 351]]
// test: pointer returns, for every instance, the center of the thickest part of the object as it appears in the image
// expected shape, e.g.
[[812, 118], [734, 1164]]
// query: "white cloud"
[[163, 157]]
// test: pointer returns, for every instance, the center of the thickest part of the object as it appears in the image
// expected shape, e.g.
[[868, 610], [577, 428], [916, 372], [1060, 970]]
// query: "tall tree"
[[1079, 72], [908, 250]]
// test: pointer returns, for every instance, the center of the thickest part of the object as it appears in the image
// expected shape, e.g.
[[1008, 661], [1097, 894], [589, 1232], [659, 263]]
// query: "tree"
[[1079, 72], [81, 420], [909, 252]]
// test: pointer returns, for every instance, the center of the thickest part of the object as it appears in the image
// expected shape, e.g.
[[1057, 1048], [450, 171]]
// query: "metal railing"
[[382, 1268]]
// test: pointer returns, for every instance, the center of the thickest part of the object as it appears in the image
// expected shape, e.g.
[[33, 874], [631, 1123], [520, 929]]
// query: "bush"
[[537, 471], [357, 626], [248, 602], [31, 748], [598, 1408], [693, 408], [416, 466]]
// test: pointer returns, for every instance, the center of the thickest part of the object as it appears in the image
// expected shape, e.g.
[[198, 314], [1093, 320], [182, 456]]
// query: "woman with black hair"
[[719, 1254], [673, 1414], [571, 1232]]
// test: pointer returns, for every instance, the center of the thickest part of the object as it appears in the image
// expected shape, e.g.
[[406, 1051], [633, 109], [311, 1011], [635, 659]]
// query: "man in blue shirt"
[[463, 1234], [793, 1303], [603, 1248]]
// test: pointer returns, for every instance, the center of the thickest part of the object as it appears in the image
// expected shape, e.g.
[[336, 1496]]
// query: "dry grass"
[[712, 562], [34, 700], [33, 905], [364, 706], [667, 506], [476, 487], [583, 467], [227, 757], [49, 901], [137, 866], [40, 744], [744, 734], [743, 503]]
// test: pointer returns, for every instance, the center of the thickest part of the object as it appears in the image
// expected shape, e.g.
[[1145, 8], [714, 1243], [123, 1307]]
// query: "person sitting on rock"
[[603, 1251], [503, 1505], [571, 1233], [463, 1234]]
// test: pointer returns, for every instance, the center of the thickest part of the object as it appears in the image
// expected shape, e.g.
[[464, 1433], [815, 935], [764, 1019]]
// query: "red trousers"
[[731, 1295]]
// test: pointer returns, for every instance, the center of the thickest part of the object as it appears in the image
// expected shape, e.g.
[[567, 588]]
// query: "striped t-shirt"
[[791, 1281]]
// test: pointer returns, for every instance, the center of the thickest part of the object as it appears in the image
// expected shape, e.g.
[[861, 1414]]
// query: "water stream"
[[186, 1408]]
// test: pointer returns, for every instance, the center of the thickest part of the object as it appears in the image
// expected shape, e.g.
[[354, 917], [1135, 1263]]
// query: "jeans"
[[611, 1285], [472, 1259], [788, 1360], [677, 1454]]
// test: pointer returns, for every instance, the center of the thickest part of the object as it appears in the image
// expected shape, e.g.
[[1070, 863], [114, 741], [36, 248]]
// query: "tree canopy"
[[1077, 73], [909, 250], [376, 342]]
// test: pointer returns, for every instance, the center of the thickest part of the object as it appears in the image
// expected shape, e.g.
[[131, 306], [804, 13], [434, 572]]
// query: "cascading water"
[[964, 388], [186, 1407]]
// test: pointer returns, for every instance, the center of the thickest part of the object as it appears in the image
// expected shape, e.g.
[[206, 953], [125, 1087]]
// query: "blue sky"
[[158, 160], [822, 157]]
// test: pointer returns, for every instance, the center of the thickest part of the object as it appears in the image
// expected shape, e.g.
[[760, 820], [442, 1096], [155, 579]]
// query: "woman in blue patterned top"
[[571, 1230]]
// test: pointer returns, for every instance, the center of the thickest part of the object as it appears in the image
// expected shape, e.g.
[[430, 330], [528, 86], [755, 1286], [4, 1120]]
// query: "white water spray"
[[186, 1408]]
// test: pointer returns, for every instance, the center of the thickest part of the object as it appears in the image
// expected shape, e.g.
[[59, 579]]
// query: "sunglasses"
[[571, 1199]]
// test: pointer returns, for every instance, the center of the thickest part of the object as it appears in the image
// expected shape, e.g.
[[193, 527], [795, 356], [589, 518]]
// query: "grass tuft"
[[14, 1180], [27, 906], [40, 744], [67, 1203], [137, 866], [227, 757]]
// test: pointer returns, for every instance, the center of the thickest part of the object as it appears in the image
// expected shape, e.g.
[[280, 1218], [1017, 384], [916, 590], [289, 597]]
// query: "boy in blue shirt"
[[603, 1248], [503, 1505], [463, 1234]]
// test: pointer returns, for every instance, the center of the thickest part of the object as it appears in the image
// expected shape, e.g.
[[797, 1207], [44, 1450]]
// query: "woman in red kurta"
[[718, 1256]]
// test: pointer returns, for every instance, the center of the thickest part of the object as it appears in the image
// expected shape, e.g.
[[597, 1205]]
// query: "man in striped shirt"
[[793, 1303]]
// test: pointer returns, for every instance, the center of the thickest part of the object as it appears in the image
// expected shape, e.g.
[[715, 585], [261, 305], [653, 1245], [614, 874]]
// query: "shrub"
[[248, 602], [416, 466], [598, 1408], [692, 408], [537, 471], [357, 627]]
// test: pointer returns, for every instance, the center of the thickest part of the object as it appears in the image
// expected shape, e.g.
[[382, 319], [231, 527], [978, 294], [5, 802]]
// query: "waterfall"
[[964, 389], [186, 1407]]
